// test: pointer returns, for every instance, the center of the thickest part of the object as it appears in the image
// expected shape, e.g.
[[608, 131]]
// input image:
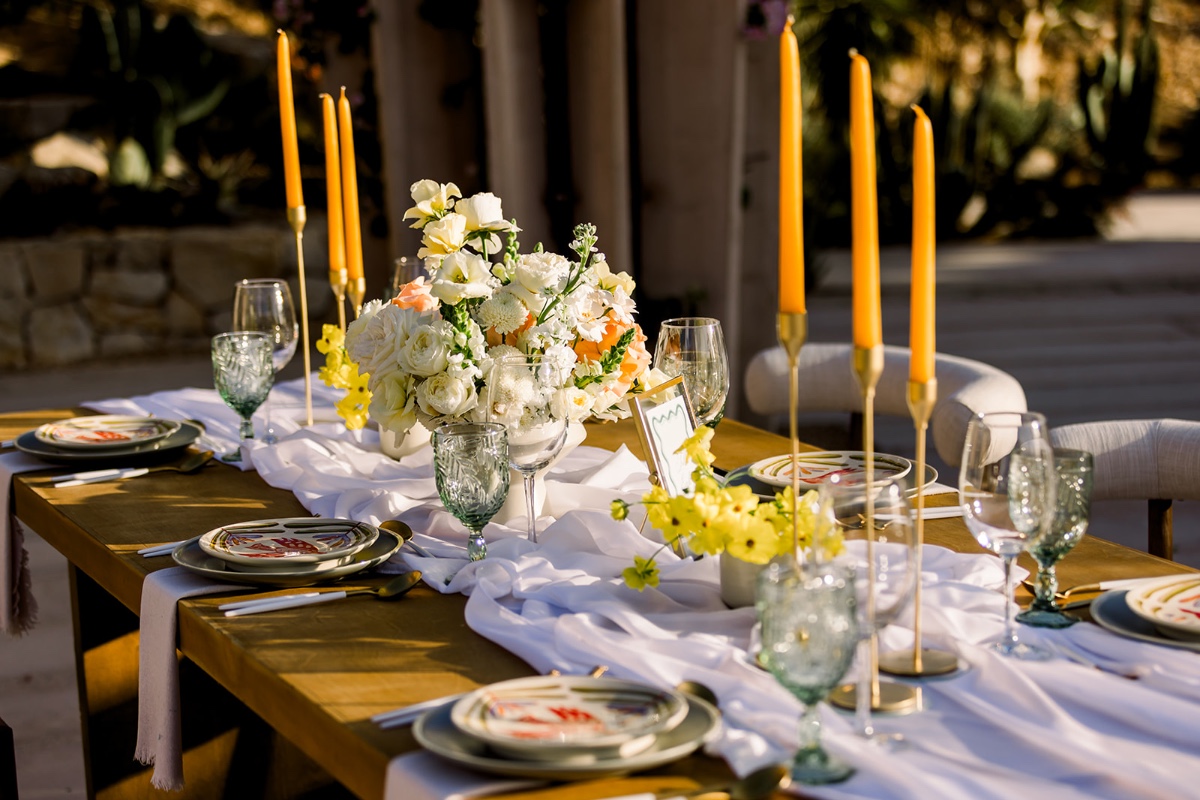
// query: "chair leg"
[[8, 763], [1161, 537]]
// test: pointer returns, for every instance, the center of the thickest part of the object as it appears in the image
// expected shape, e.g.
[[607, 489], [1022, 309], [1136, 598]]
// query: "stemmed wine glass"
[[264, 304], [695, 348], [1006, 488], [243, 374], [470, 461], [521, 395], [807, 631], [877, 532], [1072, 505]]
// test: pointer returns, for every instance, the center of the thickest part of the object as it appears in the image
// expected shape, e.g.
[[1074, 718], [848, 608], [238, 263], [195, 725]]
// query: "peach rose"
[[416, 295]]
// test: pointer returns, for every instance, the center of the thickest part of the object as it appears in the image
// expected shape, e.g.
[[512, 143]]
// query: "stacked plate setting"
[[1171, 605], [567, 728], [107, 437]]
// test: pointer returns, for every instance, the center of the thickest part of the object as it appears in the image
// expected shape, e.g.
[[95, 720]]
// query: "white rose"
[[394, 403], [461, 275], [374, 339], [442, 236], [483, 212], [432, 200], [427, 349], [446, 395], [570, 402]]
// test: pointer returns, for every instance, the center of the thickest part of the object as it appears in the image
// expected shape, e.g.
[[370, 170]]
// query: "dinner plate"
[[574, 718], [818, 467], [187, 433], [292, 540], [104, 431], [1170, 604], [189, 555], [742, 476], [1110, 611], [437, 733]]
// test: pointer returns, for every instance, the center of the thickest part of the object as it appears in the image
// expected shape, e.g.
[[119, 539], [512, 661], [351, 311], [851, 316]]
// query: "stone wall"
[[140, 292]]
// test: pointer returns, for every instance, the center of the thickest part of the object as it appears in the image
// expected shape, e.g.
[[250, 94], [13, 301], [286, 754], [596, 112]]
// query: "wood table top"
[[317, 673]]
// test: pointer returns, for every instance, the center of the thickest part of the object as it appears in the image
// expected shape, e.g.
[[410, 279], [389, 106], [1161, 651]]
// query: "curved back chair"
[[965, 388], [1157, 460]]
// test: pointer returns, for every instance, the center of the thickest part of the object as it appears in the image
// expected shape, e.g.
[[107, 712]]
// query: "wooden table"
[[280, 702]]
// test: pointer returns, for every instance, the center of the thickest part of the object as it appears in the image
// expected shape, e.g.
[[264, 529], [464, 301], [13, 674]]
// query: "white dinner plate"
[[189, 555], [437, 734], [818, 467], [1170, 604], [742, 476], [294, 540], [28, 442], [1110, 611], [569, 717], [104, 431]]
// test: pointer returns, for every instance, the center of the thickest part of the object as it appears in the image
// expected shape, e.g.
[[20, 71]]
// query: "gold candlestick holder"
[[792, 330], [923, 662], [296, 218], [891, 698], [338, 282], [356, 290]]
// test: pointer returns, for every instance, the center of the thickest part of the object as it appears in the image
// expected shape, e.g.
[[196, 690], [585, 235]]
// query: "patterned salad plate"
[[564, 718], [1171, 605], [105, 431], [299, 541], [126, 454], [819, 467]]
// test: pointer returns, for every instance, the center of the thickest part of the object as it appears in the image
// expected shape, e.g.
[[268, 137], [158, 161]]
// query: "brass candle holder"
[[923, 662], [892, 698], [338, 282], [792, 330], [356, 290], [297, 216]]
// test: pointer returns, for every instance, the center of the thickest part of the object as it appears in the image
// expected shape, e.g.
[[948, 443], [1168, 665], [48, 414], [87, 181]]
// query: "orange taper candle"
[[287, 123], [921, 314], [791, 184], [354, 257], [333, 189], [868, 331]]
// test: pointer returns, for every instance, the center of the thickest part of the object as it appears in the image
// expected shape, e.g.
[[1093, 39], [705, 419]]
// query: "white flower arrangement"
[[426, 354]]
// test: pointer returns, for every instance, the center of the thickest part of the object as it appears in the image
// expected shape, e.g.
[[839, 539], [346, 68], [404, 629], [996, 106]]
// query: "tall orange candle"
[[354, 257], [287, 123], [791, 183], [921, 315], [868, 330], [333, 188]]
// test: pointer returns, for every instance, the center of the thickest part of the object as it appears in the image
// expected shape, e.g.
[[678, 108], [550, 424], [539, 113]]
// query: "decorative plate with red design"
[[816, 468], [1171, 604], [297, 540], [105, 431]]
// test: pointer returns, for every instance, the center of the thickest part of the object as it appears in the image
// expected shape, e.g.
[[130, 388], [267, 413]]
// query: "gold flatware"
[[190, 463], [758, 784]]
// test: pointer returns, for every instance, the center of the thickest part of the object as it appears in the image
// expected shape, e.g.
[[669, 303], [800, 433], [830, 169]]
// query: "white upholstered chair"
[[965, 388], [1157, 460]]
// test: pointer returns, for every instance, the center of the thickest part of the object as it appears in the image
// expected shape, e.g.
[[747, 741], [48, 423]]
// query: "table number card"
[[665, 420]]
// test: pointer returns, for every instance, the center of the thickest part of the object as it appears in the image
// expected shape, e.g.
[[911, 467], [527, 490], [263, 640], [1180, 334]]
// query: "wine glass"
[[695, 348], [879, 548], [470, 462], [1006, 489], [521, 395], [243, 374], [807, 631], [264, 304], [1072, 505], [406, 269]]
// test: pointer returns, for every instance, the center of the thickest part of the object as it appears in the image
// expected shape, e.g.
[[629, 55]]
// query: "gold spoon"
[[757, 785], [406, 534], [396, 587]]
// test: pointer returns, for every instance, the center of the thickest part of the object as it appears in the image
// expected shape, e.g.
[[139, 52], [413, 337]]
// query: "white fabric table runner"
[[997, 729]]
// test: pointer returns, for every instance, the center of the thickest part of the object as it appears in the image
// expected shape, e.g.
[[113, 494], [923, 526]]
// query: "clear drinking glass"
[[1072, 506], [406, 269], [521, 395], [470, 461], [1006, 488], [808, 628], [882, 561], [694, 347], [264, 304], [243, 374]]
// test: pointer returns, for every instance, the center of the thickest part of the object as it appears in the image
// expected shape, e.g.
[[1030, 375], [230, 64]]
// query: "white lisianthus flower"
[[483, 212], [461, 275], [541, 272], [503, 312], [374, 339], [443, 236], [571, 402], [444, 395], [427, 350], [394, 403], [432, 201]]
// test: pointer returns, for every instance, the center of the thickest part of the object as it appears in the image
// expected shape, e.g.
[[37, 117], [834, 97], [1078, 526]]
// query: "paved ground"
[[1093, 330]]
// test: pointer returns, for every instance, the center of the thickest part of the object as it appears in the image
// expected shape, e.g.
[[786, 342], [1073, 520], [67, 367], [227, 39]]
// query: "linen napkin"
[[160, 730], [18, 608], [423, 776]]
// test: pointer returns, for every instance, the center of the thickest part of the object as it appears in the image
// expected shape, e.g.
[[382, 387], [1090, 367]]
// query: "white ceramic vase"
[[514, 507], [398, 447], [739, 581]]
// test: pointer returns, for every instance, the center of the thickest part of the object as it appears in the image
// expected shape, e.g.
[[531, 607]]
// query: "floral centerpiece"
[[715, 518], [425, 355]]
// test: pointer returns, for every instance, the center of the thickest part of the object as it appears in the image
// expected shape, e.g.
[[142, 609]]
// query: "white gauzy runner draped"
[[1000, 728]]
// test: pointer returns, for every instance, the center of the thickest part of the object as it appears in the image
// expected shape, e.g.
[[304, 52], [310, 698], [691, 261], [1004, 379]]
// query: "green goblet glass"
[[470, 461], [243, 373], [1072, 507]]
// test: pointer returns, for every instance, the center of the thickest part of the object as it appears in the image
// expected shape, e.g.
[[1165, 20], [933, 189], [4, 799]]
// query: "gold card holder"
[[664, 420]]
